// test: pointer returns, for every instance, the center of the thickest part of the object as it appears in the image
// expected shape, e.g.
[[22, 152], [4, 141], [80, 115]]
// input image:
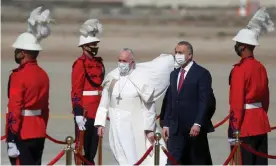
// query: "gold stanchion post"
[[100, 151], [157, 137], [69, 150], [237, 156]]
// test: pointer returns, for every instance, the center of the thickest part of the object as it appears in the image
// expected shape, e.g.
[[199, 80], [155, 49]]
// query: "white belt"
[[253, 105], [91, 93], [30, 112]]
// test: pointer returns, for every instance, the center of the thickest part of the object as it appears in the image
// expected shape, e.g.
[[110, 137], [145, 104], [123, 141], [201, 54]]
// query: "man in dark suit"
[[186, 121]]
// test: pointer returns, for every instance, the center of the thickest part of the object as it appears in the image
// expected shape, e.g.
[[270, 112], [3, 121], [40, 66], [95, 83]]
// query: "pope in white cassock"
[[129, 96]]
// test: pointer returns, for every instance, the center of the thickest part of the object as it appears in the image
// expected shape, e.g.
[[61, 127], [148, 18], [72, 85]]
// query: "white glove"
[[80, 120], [232, 141], [12, 150]]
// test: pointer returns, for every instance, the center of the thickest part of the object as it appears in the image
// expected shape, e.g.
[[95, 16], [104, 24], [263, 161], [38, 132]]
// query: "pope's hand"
[[100, 131], [194, 131], [165, 132], [80, 120], [12, 150], [150, 136]]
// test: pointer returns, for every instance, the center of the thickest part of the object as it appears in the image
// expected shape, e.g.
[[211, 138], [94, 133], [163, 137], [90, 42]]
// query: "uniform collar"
[[91, 58], [30, 62], [245, 59]]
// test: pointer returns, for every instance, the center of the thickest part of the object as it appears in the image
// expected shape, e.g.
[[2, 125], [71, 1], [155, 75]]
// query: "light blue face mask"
[[124, 67]]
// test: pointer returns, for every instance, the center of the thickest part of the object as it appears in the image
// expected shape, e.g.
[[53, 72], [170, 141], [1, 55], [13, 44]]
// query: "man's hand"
[[100, 131], [165, 133], [150, 136], [12, 150], [194, 131], [80, 120]]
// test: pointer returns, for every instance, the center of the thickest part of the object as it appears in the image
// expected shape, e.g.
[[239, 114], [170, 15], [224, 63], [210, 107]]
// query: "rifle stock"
[[80, 147], [100, 152]]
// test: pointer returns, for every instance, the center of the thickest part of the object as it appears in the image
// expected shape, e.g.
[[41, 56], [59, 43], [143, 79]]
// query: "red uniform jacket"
[[28, 93], [249, 84], [87, 77]]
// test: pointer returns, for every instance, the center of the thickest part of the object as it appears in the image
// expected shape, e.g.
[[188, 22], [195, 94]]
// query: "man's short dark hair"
[[189, 45], [249, 47], [33, 54]]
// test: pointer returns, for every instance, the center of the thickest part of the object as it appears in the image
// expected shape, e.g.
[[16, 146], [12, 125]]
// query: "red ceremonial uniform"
[[249, 98], [87, 77], [28, 110]]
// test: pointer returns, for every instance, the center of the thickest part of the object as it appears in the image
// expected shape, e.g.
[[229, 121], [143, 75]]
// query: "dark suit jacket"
[[189, 106], [163, 109]]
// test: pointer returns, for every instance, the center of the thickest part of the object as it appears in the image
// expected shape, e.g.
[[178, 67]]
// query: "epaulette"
[[81, 58]]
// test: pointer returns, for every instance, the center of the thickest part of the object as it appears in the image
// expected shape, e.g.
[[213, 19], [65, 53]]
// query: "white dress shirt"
[[186, 68]]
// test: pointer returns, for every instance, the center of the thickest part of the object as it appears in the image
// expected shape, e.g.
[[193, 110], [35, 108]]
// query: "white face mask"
[[176, 65], [180, 59], [124, 68]]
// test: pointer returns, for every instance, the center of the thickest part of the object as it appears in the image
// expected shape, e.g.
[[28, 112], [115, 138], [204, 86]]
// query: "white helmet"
[[247, 36], [88, 39], [37, 30], [90, 31], [27, 41], [260, 22]]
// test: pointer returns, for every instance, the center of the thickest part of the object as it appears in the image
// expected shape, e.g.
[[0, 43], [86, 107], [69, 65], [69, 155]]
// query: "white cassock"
[[135, 112]]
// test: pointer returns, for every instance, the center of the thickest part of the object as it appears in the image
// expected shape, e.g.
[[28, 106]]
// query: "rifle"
[[79, 148], [100, 150]]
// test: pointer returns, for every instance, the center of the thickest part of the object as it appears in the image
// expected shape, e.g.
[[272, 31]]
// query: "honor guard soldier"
[[28, 93], [87, 76], [249, 92]]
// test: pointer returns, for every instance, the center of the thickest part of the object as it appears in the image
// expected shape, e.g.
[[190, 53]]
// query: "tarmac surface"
[[212, 51]]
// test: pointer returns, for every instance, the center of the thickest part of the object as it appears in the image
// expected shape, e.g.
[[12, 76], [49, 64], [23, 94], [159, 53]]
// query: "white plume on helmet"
[[37, 30], [260, 22], [90, 31]]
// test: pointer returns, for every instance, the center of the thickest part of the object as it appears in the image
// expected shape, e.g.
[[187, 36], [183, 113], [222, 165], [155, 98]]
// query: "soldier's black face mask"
[[238, 49], [17, 59], [93, 51]]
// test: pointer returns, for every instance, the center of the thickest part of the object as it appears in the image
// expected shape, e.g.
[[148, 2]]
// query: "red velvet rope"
[[54, 140], [222, 122], [273, 128], [231, 155], [82, 158], [144, 156], [248, 148], [174, 162], [58, 157]]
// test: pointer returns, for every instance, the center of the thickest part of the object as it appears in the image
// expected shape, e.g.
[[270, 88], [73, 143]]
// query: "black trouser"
[[189, 150], [259, 144], [91, 138], [31, 151]]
